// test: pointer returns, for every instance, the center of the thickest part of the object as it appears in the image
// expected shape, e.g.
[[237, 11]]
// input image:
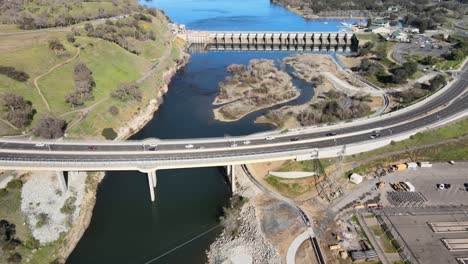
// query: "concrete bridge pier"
[[152, 183], [276, 38], [332, 38], [342, 38], [252, 37], [61, 181], [317, 39], [309, 39], [300, 38], [230, 171]]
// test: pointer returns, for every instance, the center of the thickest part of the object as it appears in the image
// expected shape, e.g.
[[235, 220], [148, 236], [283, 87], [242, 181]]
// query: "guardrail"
[[187, 161]]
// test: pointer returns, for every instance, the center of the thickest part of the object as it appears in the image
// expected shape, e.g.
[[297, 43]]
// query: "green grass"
[[306, 165], [108, 72], [288, 187], [363, 38], [383, 239], [455, 130], [449, 64], [109, 63]]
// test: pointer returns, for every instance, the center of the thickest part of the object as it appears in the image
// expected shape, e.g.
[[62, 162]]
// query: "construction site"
[[414, 212]]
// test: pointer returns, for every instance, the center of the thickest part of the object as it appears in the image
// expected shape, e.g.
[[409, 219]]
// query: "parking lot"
[[427, 246], [420, 44], [425, 181]]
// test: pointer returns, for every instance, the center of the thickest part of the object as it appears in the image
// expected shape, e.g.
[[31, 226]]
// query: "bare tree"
[[17, 110], [50, 127]]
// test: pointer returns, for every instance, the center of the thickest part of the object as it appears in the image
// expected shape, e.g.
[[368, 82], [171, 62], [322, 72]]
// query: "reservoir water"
[[126, 227]]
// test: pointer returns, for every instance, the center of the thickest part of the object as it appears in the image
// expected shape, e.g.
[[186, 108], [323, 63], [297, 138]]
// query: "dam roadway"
[[136, 155]]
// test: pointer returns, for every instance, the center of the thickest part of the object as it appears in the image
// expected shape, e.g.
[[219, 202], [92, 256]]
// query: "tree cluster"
[[84, 84], [53, 13], [8, 241], [127, 92], [13, 73], [401, 74], [336, 106], [49, 127], [119, 31], [16, 110]]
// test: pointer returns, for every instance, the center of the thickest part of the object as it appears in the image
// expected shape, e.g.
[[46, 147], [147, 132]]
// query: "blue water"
[[126, 227], [241, 15]]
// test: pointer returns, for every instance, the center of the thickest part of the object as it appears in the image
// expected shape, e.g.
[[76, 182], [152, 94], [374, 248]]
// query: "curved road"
[[444, 106]]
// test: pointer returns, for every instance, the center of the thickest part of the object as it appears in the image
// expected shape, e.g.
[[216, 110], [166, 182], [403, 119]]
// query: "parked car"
[[247, 142], [189, 146], [92, 148], [443, 186], [40, 145], [269, 138], [233, 145], [294, 139], [330, 134]]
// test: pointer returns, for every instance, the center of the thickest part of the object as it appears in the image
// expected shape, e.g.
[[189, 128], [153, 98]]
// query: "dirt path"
[[156, 65], [36, 80], [84, 112], [9, 124]]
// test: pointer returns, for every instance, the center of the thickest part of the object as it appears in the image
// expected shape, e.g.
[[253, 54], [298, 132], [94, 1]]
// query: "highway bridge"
[[150, 155]]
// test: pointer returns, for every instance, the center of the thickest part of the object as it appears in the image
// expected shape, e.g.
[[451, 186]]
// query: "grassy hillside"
[[29, 14], [117, 52]]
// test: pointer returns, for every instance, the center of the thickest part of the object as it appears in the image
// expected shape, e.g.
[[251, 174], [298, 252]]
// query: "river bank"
[[308, 13], [139, 120]]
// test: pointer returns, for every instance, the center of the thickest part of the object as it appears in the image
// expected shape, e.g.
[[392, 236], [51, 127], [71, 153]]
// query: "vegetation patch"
[[291, 187], [109, 133], [383, 239], [69, 206], [14, 74], [231, 215]]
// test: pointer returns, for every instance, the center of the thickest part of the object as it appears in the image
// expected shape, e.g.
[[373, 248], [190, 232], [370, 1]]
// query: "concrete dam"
[[234, 40]]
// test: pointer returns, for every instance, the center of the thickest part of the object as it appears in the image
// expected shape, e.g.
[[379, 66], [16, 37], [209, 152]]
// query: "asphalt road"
[[422, 116]]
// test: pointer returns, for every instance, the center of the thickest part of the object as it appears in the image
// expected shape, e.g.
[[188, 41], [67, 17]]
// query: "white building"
[[355, 178], [380, 30]]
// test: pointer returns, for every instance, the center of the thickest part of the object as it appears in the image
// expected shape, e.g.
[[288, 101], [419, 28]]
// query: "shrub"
[[55, 44], [49, 127], [109, 133], [69, 205], [71, 38], [114, 110], [42, 219], [14, 74], [16, 110], [15, 184], [127, 91]]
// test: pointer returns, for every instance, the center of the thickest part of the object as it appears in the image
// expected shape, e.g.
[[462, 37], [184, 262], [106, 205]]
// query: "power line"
[[183, 244]]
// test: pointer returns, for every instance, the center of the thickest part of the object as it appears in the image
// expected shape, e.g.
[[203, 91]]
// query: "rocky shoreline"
[[250, 245]]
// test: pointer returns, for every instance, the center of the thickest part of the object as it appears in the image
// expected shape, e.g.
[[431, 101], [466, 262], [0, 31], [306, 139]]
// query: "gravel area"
[[42, 202], [251, 245]]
